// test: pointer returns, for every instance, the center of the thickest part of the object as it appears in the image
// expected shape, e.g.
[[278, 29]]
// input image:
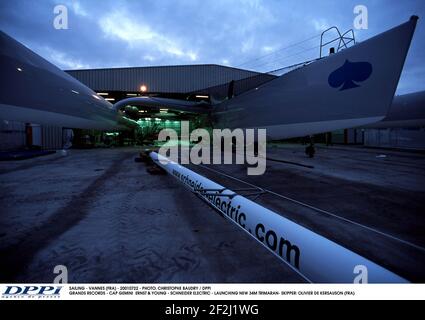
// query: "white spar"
[[311, 255]]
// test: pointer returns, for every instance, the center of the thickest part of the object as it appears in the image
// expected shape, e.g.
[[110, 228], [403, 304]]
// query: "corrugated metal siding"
[[240, 86], [338, 136], [12, 135], [51, 137], [174, 79], [395, 138]]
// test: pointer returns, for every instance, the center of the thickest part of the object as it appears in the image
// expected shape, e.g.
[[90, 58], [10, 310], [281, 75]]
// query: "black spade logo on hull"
[[350, 73]]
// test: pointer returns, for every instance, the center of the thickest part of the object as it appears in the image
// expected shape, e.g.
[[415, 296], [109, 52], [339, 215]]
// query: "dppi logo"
[[31, 291], [348, 74]]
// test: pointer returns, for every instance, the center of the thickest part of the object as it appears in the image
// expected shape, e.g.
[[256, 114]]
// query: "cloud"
[[78, 9], [247, 45], [193, 56], [62, 60], [118, 33], [137, 34], [320, 25], [149, 58], [267, 49]]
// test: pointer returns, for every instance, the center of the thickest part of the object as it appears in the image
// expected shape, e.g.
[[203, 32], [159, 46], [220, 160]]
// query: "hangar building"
[[181, 81], [169, 81], [196, 82]]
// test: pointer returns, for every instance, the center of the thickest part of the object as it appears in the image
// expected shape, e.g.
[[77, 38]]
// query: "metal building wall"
[[240, 86], [169, 79], [12, 135], [413, 138], [51, 137]]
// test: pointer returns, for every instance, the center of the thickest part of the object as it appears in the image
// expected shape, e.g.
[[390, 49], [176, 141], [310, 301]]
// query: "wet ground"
[[106, 219]]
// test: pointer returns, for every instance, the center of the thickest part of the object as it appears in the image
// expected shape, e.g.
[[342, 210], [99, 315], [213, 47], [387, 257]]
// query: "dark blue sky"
[[246, 33]]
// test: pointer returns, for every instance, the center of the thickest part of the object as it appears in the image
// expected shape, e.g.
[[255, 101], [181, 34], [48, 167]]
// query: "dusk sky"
[[251, 34]]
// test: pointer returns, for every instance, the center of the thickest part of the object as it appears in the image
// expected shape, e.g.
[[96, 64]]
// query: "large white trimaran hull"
[[351, 88]]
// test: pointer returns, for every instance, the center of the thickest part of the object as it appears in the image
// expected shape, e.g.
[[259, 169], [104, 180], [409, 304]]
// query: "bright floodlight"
[[143, 88]]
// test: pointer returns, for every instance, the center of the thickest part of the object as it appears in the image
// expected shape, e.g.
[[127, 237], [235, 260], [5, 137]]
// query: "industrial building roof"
[[175, 79]]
